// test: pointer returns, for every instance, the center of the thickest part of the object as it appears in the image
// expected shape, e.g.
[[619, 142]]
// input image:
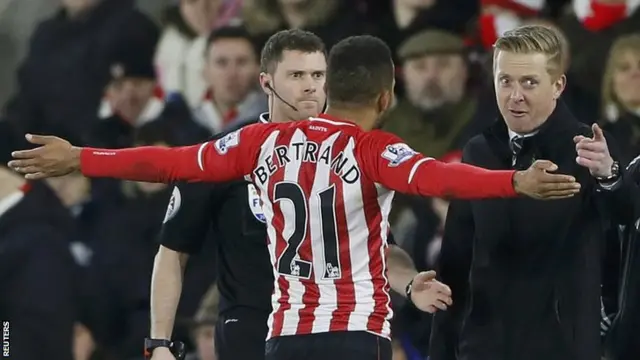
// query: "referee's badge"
[[255, 204], [174, 205]]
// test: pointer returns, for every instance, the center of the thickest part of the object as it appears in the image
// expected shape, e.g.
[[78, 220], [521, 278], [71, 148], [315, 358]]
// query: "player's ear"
[[385, 100], [266, 82]]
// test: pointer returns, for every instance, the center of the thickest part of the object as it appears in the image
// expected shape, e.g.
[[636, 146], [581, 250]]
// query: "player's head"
[[293, 65], [361, 74]]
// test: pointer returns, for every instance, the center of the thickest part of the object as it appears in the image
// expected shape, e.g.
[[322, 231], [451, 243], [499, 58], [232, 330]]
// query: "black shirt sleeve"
[[188, 218]]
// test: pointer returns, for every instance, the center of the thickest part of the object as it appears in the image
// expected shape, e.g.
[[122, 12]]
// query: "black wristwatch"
[[615, 173], [152, 344], [407, 291]]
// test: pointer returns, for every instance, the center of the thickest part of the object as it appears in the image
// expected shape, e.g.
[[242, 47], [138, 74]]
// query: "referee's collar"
[[264, 118]]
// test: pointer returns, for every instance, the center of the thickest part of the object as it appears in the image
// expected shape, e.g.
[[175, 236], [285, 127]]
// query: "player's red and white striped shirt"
[[326, 187]]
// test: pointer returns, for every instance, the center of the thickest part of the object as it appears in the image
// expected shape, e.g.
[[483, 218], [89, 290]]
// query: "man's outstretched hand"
[[538, 182], [55, 157], [593, 153], [428, 294]]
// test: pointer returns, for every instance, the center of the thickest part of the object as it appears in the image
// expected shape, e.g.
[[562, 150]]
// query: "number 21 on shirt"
[[290, 263]]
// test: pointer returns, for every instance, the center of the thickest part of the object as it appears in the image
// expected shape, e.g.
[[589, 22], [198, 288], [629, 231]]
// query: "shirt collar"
[[513, 134]]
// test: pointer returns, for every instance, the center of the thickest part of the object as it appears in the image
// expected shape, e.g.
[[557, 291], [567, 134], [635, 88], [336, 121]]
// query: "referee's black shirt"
[[230, 215]]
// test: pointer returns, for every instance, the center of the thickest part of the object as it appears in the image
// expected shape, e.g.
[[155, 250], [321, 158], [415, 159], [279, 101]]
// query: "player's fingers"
[[568, 188], [36, 176], [441, 288], [545, 165], [440, 304], [22, 163], [40, 139], [27, 154], [556, 178]]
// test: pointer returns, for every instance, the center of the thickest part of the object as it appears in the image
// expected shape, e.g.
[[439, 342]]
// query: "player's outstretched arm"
[[390, 162], [222, 160]]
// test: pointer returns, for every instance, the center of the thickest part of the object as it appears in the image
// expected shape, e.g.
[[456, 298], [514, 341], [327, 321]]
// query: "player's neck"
[[363, 117]]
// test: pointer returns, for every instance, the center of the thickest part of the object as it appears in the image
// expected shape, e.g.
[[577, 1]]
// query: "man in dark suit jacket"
[[525, 274]]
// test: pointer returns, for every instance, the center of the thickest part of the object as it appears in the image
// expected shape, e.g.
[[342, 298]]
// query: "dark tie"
[[516, 145]]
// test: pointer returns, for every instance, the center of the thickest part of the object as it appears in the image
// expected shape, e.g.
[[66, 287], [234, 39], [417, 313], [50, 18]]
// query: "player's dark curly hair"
[[360, 69], [288, 40]]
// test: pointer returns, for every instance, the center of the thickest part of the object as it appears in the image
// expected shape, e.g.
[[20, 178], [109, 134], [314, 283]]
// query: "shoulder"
[[476, 143]]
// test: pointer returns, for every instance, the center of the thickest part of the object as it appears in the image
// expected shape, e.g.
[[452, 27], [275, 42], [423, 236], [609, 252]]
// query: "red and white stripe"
[[359, 300], [504, 15], [596, 16]]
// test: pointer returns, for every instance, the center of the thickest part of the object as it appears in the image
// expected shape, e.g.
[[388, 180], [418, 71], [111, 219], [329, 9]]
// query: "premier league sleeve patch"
[[227, 142], [398, 153]]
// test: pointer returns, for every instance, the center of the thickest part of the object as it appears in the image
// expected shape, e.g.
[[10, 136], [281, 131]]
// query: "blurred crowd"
[[101, 73]]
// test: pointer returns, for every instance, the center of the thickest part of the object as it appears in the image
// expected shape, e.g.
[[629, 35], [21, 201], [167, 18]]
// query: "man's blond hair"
[[532, 39]]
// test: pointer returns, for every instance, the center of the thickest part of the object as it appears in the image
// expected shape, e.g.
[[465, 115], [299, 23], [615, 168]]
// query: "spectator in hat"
[[436, 114], [62, 78], [38, 272], [131, 100]]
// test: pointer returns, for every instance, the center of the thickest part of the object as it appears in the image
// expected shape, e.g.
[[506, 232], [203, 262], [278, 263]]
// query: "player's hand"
[[162, 353], [593, 153], [56, 157], [538, 182], [428, 294]]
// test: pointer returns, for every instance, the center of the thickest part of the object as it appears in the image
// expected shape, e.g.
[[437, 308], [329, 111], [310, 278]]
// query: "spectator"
[[186, 25], [38, 292], [591, 26], [132, 99], [203, 326], [61, 80], [331, 20], [123, 260], [231, 70], [435, 116], [394, 21], [621, 94]]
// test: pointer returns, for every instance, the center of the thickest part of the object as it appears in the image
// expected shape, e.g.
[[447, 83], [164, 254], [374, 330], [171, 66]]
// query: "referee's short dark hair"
[[288, 40], [360, 69], [229, 32]]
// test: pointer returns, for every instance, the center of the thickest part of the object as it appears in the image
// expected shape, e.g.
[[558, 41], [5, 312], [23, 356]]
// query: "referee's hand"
[[428, 294]]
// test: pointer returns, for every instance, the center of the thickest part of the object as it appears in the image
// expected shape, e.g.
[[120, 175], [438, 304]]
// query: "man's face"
[[231, 69], [626, 79], [435, 80], [525, 91], [299, 79], [129, 96]]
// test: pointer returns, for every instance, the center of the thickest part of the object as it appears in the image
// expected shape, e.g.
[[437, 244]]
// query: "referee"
[[293, 66]]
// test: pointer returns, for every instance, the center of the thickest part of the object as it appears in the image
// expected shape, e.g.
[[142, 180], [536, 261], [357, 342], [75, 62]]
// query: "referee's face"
[[525, 90], [299, 79]]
